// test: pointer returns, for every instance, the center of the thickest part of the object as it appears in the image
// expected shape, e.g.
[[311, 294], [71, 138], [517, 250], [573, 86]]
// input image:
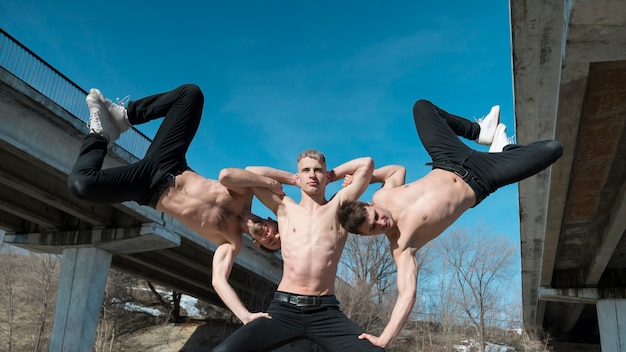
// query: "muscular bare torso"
[[310, 250], [207, 207], [424, 208]]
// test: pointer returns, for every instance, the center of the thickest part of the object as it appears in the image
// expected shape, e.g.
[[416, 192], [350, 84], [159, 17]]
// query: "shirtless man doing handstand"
[[411, 215], [162, 179]]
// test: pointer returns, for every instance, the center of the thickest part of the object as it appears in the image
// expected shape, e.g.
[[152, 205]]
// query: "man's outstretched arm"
[[222, 265], [407, 285]]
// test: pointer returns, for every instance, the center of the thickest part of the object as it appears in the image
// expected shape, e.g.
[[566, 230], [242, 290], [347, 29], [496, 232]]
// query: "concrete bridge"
[[43, 119], [569, 71]]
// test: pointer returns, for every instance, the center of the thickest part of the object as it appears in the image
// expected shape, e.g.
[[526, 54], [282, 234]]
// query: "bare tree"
[[479, 266], [367, 289], [369, 265], [9, 276], [367, 280], [45, 271]]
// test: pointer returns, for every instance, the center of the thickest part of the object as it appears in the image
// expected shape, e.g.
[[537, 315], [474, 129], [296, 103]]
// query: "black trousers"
[[323, 324], [484, 172], [165, 158]]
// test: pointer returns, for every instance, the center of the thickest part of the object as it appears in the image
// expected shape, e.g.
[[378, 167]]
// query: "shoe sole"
[[94, 98], [119, 124], [489, 141], [494, 148]]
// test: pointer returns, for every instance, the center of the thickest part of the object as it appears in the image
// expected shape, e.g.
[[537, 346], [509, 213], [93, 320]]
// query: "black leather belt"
[[452, 167], [306, 301], [168, 178], [467, 175]]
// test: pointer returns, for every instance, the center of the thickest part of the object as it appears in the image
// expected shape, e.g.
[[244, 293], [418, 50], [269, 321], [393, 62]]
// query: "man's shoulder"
[[190, 176], [383, 195], [340, 197]]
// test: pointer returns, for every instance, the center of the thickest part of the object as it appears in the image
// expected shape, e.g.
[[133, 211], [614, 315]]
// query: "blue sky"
[[283, 76]]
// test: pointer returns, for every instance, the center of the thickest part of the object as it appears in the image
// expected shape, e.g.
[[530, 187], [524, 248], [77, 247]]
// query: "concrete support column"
[[612, 322], [82, 283]]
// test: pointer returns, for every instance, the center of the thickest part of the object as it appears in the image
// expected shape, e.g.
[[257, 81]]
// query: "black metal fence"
[[37, 73]]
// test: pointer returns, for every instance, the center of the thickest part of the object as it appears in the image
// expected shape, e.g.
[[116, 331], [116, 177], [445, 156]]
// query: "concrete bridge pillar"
[[84, 272], [612, 322]]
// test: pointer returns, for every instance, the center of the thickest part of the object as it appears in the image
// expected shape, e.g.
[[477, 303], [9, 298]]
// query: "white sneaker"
[[99, 120], [488, 125], [500, 140], [116, 111]]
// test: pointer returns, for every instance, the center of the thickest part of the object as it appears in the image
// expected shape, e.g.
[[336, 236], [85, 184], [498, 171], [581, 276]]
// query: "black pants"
[[484, 172], [182, 109], [324, 324]]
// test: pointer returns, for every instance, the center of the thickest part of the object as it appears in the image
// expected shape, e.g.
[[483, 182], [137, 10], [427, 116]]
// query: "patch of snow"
[[188, 303], [468, 345], [132, 307]]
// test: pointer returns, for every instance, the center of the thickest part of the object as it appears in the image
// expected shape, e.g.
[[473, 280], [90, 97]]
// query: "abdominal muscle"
[[310, 252], [201, 204], [308, 275]]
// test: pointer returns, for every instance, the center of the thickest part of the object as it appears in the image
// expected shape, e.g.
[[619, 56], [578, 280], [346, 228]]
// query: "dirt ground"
[[189, 337]]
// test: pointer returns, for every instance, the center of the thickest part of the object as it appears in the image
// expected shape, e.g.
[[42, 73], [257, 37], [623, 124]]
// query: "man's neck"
[[247, 221], [312, 201]]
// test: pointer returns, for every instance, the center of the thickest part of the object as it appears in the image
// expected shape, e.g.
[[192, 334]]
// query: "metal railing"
[[41, 76]]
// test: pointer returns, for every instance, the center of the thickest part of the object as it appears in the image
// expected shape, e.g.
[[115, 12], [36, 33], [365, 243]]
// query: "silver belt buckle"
[[464, 169]]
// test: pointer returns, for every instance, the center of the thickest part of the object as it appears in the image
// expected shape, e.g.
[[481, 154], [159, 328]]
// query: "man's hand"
[[257, 315], [331, 176], [373, 339], [276, 187], [347, 180]]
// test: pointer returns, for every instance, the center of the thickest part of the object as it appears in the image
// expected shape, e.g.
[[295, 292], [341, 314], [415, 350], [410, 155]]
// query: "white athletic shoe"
[[488, 125], [99, 120], [117, 112], [500, 140]]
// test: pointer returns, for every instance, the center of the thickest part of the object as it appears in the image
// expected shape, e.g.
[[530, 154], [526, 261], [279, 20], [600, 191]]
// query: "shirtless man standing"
[[413, 214], [163, 180], [304, 305]]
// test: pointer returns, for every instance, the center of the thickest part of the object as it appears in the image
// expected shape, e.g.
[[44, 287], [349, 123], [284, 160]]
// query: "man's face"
[[378, 221], [270, 237], [311, 176]]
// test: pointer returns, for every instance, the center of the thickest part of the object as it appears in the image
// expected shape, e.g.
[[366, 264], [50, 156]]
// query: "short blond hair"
[[313, 154]]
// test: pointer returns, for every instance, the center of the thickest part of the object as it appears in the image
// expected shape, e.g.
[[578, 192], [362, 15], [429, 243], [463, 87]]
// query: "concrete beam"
[[612, 322], [610, 239], [160, 272], [148, 237], [83, 279], [151, 237], [580, 295], [23, 186], [537, 40]]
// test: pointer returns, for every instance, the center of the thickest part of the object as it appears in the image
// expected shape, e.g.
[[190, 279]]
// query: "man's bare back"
[[424, 208], [207, 207]]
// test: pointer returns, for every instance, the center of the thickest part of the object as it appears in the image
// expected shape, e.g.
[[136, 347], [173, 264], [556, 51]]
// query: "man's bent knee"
[[422, 103], [193, 90], [554, 148], [79, 187]]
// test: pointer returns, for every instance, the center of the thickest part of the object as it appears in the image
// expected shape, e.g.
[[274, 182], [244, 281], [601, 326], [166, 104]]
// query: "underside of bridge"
[[569, 68]]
